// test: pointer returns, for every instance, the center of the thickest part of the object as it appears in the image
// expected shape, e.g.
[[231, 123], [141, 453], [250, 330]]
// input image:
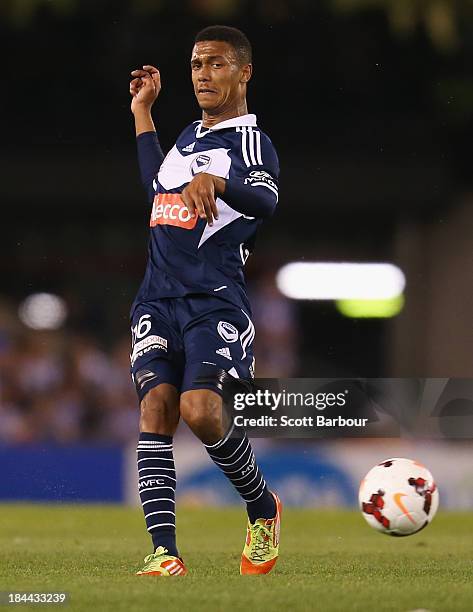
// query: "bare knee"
[[159, 410], [202, 411]]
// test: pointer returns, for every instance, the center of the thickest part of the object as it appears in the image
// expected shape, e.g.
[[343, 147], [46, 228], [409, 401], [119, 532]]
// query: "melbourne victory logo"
[[200, 164]]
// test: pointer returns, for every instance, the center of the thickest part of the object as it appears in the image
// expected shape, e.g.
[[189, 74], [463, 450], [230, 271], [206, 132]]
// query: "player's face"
[[219, 81]]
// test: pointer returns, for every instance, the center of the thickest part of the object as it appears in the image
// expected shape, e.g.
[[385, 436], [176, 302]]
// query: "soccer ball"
[[398, 497]]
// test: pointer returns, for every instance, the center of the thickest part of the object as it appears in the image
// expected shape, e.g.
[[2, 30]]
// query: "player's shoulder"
[[256, 148], [265, 139], [247, 125], [251, 132]]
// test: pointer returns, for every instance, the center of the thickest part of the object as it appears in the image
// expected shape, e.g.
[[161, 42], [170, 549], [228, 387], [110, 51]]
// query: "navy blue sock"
[[235, 457], [157, 486]]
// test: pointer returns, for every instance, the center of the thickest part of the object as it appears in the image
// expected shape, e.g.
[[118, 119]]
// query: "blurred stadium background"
[[369, 103]]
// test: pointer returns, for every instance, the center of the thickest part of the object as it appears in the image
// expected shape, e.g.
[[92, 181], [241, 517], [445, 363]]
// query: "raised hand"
[[144, 87]]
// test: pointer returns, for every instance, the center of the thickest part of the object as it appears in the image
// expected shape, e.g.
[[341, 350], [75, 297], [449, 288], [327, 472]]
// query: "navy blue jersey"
[[186, 255]]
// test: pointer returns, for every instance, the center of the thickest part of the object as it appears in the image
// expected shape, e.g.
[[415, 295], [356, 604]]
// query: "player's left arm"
[[254, 194], [252, 187]]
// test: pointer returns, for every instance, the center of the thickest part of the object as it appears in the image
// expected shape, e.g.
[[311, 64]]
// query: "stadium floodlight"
[[340, 281], [43, 311]]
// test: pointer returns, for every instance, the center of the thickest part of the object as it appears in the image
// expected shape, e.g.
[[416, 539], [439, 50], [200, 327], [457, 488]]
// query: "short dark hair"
[[232, 36]]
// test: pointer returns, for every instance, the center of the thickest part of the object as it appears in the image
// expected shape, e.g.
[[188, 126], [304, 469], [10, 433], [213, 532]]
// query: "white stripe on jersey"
[[251, 138], [244, 145], [249, 339], [273, 189], [244, 254], [258, 147], [251, 146], [247, 336]]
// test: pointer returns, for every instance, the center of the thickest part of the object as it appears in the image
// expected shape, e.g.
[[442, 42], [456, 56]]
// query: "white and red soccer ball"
[[398, 497]]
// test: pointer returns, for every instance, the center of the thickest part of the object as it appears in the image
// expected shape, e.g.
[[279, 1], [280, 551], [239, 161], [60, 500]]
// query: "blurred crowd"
[[64, 386]]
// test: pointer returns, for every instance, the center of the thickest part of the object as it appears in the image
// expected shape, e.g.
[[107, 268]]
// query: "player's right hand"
[[145, 87], [199, 196]]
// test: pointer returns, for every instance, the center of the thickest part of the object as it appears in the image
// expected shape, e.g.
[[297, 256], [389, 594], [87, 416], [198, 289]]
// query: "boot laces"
[[159, 552], [260, 542]]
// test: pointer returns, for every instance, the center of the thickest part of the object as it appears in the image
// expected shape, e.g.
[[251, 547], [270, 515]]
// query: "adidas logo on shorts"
[[225, 352]]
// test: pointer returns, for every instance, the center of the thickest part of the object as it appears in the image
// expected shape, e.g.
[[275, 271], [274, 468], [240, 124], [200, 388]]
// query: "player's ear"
[[246, 72]]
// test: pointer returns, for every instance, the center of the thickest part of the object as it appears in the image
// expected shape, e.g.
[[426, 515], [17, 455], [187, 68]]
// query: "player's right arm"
[[144, 89]]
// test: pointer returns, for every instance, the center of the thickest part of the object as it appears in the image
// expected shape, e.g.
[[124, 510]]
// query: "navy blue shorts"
[[188, 342]]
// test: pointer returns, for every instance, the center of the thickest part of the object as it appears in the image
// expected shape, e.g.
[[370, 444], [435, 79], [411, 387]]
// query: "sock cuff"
[[222, 441], [152, 437]]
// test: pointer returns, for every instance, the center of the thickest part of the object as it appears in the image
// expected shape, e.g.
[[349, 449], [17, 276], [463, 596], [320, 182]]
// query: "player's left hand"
[[199, 196]]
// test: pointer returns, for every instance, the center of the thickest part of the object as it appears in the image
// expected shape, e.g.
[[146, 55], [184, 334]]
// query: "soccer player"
[[191, 320]]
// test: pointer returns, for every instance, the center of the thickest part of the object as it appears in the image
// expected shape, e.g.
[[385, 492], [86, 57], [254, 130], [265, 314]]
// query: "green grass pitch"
[[330, 560]]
